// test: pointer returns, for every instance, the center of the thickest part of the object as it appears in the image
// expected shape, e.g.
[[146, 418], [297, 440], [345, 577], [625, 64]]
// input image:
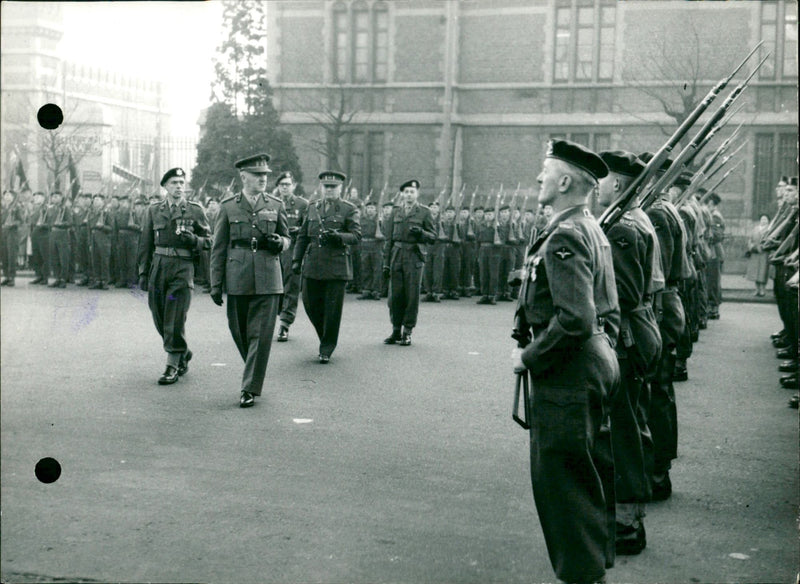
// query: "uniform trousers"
[[714, 274], [572, 467], [662, 417], [404, 286], [702, 293], [451, 267], [323, 301], [489, 256], [169, 296], [101, 256], [508, 259], [371, 265], [128, 242], [251, 320], [433, 274], [40, 250], [687, 293], [82, 254], [10, 244], [60, 253], [291, 288], [467, 264]]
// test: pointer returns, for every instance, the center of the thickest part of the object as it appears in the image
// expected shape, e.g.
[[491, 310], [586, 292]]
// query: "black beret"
[[578, 156], [256, 164], [450, 208], [100, 195], [621, 162], [172, 172], [702, 190], [332, 177], [684, 179], [388, 204], [505, 208], [714, 197], [793, 181], [410, 183], [434, 202], [283, 175], [784, 179], [648, 156], [370, 203], [478, 208]]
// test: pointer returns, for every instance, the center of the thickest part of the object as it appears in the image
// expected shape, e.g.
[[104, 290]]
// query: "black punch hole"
[[48, 470], [50, 116]]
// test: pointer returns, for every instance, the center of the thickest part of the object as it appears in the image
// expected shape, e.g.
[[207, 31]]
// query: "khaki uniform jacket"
[[159, 225], [567, 288], [329, 261], [242, 270], [398, 231]]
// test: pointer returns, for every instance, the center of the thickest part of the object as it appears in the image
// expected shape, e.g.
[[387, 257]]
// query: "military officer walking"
[[567, 314], [322, 254], [172, 232], [250, 232], [295, 210], [409, 229]]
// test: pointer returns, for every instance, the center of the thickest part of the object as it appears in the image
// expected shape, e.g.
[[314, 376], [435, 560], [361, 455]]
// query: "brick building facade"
[[467, 92]]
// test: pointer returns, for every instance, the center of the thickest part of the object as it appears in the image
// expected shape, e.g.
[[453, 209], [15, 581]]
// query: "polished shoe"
[[790, 381], [785, 353], [393, 339], [324, 359], [695, 335], [10, 283], [183, 366], [55, 284], [83, 282], [169, 377], [630, 540], [283, 334], [702, 325], [484, 300], [376, 296], [662, 490], [713, 316], [777, 335], [364, 296], [504, 298], [98, 286], [247, 400], [4, 282], [794, 402], [788, 366], [781, 343], [405, 340], [680, 373], [37, 280]]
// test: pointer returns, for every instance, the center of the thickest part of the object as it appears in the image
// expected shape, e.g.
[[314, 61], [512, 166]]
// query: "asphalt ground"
[[390, 464]]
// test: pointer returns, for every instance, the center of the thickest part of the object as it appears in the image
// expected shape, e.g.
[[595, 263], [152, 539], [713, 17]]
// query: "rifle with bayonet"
[[496, 240], [470, 226], [628, 198], [512, 229], [456, 238], [378, 232]]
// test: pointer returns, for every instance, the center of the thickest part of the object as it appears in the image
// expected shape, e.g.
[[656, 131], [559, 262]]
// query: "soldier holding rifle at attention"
[[13, 218], [250, 232], [322, 254], [567, 316], [172, 232], [409, 229]]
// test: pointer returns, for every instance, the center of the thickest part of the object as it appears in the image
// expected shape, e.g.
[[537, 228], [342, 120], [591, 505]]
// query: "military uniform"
[[60, 220], [404, 257], [568, 299], [13, 218], [80, 223], [101, 225], [714, 268], [468, 253], [40, 244], [371, 258], [295, 210], [327, 263], [451, 268], [166, 260], [489, 257], [507, 257], [129, 228], [433, 272], [248, 266]]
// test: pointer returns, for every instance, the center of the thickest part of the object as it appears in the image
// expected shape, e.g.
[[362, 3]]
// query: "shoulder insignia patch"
[[563, 253], [622, 243]]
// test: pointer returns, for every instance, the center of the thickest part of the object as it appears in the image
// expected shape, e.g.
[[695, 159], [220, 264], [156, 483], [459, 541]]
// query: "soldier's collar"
[[565, 214]]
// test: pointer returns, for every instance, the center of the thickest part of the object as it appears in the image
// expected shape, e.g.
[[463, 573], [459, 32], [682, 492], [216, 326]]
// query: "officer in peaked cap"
[[173, 231], [638, 274], [250, 232], [568, 313], [323, 255], [404, 254]]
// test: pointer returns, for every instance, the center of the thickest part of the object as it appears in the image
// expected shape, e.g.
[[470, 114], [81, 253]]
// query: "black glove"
[[275, 243], [189, 237], [296, 266], [143, 283], [416, 232], [216, 296], [386, 272], [334, 239]]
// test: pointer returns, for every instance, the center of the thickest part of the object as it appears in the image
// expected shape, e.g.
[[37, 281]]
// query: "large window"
[[584, 41], [779, 32], [365, 162], [360, 42], [776, 155]]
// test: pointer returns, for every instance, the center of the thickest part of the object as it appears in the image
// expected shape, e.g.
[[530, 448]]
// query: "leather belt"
[[251, 244], [173, 252], [61, 226], [405, 245]]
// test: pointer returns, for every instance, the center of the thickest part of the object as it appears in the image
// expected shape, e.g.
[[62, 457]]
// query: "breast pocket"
[[267, 219], [239, 229]]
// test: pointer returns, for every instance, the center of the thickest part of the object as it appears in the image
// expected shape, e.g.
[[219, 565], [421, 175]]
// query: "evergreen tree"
[[243, 121]]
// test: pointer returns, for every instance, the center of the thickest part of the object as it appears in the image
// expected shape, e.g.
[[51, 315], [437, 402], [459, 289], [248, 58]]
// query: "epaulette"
[[196, 204], [424, 207], [276, 199], [226, 199]]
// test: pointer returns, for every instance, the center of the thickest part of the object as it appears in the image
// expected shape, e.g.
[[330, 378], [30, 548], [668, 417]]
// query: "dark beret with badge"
[[714, 198], [578, 156], [684, 179], [284, 175], [172, 173], [257, 164], [792, 181], [410, 183], [622, 162], [332, 177]]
